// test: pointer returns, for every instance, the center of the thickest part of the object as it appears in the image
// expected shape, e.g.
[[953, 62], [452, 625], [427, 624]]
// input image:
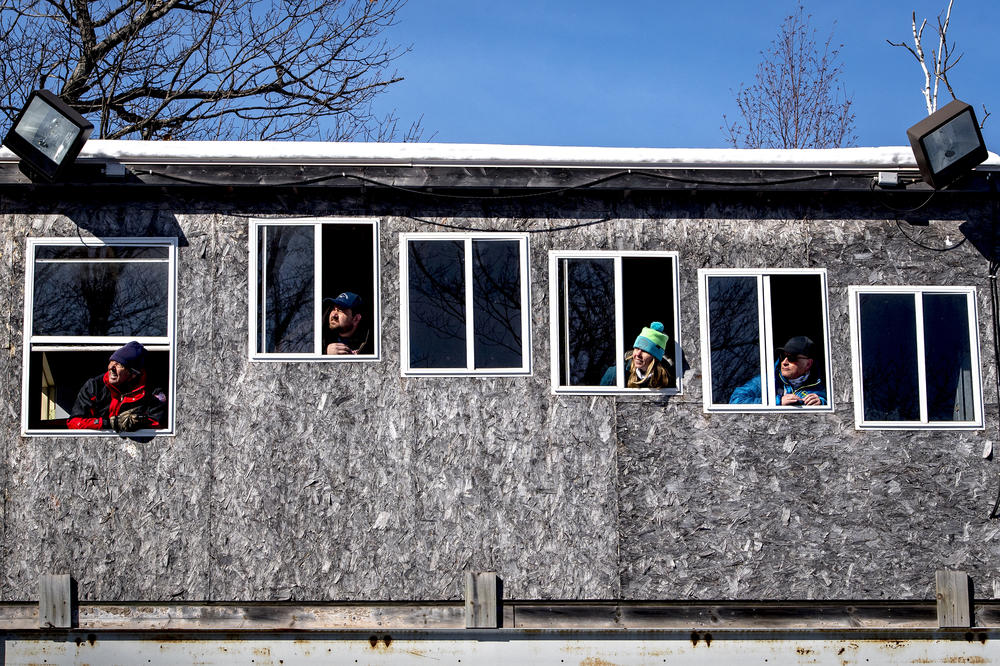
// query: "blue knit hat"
[[653, 340], [132, 356]]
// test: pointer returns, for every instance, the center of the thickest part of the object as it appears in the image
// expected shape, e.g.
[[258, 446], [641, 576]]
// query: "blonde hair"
[[657, 377]]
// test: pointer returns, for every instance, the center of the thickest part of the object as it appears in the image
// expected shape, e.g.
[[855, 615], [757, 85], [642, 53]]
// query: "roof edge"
[[495, 155]]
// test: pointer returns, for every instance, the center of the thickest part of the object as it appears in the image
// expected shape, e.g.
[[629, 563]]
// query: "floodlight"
[[947, 143], [47, 135]]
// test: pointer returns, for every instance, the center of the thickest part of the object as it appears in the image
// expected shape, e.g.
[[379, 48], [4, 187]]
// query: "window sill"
[[64, 432], [302, 358], [615, 391], [913, 425], [767, 409]]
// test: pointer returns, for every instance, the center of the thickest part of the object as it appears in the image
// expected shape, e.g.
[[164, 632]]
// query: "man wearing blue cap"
[[345, 329], [119, 399]]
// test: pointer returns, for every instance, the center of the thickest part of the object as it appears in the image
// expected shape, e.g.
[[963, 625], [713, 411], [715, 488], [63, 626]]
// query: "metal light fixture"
[[47, 135], [947, 143]]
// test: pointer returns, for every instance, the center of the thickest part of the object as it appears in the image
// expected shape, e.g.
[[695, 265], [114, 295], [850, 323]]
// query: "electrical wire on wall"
[[500, 197], [995, 310]]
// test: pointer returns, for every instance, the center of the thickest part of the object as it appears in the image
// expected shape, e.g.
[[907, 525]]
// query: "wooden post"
[[482, 600], [954, 607], [56, 602]]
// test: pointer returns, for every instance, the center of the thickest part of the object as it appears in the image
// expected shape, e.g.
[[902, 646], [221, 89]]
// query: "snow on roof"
[[471, 154]]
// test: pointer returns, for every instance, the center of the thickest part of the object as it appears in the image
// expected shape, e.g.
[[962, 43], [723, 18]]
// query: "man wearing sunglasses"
[[797, 381]]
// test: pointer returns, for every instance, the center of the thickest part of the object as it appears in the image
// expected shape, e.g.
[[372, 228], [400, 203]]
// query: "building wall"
[[346, 481]]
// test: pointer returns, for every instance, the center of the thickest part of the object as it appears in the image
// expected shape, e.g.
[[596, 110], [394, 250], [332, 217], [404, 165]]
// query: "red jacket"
[[98, 400]]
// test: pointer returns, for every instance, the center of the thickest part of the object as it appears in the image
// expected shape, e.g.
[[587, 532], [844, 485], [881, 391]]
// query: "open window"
[[748, 318], [300, 271], [916, 358], [464, 304], [601, 303], [85, 298]]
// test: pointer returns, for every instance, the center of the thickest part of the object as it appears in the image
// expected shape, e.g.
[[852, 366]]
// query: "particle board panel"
[[312, 481]]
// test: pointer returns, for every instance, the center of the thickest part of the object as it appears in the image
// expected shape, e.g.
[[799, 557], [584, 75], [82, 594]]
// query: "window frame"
[[317, 355], [63, 343], [555, 301], [467, 238], [971, 295], [767, 349]]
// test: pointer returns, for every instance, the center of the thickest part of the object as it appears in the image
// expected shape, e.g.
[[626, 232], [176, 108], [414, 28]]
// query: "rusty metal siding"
[[320, 481], [530, 648]]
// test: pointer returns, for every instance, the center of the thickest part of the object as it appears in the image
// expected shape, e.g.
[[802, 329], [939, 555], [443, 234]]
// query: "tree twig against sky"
[[942, 60], [796, 99], [205, 69]]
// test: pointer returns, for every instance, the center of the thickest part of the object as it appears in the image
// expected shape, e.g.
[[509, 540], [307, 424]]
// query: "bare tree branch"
[[940, 58], [206, 69], [796, 100]]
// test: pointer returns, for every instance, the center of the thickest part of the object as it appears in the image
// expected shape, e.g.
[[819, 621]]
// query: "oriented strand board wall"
[[313, 481]]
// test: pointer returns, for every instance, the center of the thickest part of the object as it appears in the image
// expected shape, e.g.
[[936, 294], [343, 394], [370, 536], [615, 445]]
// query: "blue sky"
[[661, 73]]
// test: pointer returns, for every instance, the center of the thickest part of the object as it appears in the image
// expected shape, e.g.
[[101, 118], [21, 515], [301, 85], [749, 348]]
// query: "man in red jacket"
[[119, 399]]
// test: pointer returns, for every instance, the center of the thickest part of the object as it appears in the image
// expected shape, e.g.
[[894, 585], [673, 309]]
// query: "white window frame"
[[555, 299], [98, 343], [978, 423], [767, 349], [404, 320], [317, 353]]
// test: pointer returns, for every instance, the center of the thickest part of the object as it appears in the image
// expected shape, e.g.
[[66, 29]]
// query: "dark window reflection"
[[437, 304], [286, 265], [102, 252], [496, 303], [889, 357], [735, 334], [648, 296], [948, 357], [587, 320], [81, 298]]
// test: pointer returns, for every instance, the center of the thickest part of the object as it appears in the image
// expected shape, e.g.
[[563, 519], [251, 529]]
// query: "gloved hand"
[[126, 422]]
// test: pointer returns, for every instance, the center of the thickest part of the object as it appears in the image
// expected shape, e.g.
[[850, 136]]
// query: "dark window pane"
[[496, 303], [287, 292], [797, 309], [101, 252], [948, 357], [55, 379], [437, 304], [889, 357], [648, 296], [734, 330], [347, 265], [98, 299], [587, 321]]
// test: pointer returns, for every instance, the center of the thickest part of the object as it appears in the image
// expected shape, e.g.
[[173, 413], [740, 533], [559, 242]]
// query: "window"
[[85, 298], [601, 303], [748, 318], [916, 357], [300, 270], [464, 304]]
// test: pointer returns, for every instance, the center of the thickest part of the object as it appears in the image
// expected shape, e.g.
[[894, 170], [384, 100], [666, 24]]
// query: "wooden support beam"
[[483, 600], [56, 601], [954, 607]]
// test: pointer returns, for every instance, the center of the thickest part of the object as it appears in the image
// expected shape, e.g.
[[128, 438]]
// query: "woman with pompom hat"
[[644, 365]]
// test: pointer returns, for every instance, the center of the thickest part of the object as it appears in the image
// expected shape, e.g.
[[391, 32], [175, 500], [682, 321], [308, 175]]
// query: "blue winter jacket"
[[749, 393]]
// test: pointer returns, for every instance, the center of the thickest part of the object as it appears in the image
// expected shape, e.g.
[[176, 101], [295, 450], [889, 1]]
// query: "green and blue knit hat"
[[653, 340]]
